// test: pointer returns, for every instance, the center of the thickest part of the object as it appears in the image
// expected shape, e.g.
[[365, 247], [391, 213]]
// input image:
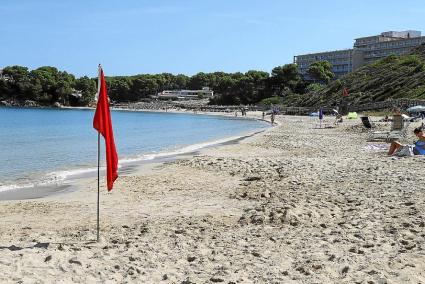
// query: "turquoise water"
[[48, 145]]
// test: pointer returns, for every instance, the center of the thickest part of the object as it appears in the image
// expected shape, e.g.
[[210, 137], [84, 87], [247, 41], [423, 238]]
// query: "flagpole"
[[98, 183], [98, 162]]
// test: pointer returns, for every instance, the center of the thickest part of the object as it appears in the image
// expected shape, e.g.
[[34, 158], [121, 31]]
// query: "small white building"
[[205, 93]]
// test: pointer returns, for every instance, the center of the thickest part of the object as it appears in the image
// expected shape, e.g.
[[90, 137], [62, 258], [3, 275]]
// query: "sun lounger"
[[398, 129]]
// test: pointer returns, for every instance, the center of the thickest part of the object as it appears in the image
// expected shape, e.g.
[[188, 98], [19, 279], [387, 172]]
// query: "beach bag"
[[404, 151]]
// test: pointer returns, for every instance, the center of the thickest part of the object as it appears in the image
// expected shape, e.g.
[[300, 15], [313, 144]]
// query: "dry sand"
[[290, 205]]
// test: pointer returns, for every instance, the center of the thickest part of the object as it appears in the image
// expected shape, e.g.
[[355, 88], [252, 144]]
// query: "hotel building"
[[365, 50], [186, 94]]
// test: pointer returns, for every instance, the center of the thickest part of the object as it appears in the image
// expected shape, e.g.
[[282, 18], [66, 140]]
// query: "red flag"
[[103, 124], [345, 92]]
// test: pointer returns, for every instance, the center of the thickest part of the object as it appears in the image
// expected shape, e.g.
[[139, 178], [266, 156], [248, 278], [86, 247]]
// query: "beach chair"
[[398, 129], [367, 122], [373, 135]]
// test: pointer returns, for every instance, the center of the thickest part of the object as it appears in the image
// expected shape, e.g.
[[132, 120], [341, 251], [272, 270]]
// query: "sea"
[[41, 147]]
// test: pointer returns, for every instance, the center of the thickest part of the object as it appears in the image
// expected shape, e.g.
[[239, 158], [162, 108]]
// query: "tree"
[[87, 87], [198, 81], [47, 79], [143, 87], [19, 81], [320, 71], [119, 88], [283, 78], [16, 73]]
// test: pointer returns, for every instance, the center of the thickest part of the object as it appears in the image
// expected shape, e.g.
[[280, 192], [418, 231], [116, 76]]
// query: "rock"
[[29, 103], [74, 260], [345, 270], [252, 178], [57, 104], [164, 277], [14, 248], [41, 245], [216, 279], [191, 258], [256, 254]]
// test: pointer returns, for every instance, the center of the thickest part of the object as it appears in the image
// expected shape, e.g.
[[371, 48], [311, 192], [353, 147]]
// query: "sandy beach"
[[292, 204]]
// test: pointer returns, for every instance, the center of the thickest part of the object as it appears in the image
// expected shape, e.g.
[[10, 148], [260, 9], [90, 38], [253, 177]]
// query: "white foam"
[[60, 177]]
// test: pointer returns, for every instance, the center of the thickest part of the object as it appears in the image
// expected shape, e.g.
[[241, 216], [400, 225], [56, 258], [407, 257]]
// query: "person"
[[272, 118], [418, 148], [264, 114]]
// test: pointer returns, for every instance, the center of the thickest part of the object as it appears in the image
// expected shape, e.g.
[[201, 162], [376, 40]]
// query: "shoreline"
[[73, 178]]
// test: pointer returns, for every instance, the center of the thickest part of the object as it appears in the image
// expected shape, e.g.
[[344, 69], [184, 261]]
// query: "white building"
[[205, 93], [365, 50]]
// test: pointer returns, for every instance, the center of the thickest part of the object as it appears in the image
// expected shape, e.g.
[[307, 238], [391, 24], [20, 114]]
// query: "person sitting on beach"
[[418, 148]]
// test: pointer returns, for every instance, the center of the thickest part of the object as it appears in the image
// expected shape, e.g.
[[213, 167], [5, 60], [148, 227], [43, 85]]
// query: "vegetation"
[[320, 71], [47, 85], [271, 101]]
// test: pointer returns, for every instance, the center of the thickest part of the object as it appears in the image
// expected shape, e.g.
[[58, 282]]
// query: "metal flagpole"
[[98, 160], [98, 183]]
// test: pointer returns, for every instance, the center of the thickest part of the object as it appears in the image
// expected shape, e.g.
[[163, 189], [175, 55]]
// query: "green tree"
[[47, 78], [284, 78], [119, 89], [87, 87], [19, 81], [196, 82], [320, 71], [16, 73]]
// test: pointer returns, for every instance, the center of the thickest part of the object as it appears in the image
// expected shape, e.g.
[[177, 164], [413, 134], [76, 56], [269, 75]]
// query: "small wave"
[[63, 176]]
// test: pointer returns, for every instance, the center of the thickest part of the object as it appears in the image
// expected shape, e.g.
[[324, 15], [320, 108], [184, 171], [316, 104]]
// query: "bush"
[[314, 87], [381, 62], [412, 59], [271, 101]]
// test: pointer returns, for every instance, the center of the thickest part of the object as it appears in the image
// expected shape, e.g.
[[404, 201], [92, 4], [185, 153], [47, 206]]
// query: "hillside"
[[393, 77]]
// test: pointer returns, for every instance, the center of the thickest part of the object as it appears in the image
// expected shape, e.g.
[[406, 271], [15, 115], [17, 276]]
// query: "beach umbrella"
[[416, 109]]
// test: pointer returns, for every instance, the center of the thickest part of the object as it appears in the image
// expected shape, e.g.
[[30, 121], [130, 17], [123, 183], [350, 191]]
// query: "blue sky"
[[132, 37]]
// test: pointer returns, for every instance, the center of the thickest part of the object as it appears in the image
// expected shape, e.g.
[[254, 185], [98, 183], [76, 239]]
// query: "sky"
[[130, 37]]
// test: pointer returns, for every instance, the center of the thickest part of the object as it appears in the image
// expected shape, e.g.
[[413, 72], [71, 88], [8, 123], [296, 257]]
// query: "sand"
[[290, 205]]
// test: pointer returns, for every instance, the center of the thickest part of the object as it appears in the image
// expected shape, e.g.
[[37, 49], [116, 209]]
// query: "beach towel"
[[419, 148], [352, 115]]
